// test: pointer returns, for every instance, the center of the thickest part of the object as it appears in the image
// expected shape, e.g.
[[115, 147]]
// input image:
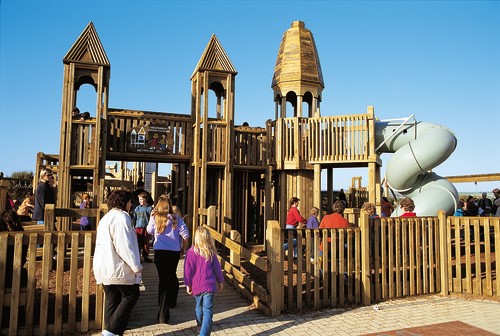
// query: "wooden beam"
[[474, 178]]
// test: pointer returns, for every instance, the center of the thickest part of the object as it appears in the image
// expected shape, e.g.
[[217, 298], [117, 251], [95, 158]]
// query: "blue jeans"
[[285, 245], [204, 312]]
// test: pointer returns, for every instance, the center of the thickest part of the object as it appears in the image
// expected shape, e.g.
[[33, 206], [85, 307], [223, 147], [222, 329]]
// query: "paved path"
[[234, 316]]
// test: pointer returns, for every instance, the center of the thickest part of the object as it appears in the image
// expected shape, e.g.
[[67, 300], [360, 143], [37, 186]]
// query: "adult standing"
[[496, 202], [293, 221], [117, 263], [485, 205], [335, 220], [170, 241], [44, 195]]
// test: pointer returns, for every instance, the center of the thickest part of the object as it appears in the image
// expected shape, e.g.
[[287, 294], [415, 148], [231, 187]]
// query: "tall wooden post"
[[83, 142], [215, 72]]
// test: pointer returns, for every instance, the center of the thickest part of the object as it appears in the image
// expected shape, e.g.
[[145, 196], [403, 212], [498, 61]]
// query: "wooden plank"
[[398, 252], [31, 288], [377, 225], [391, 238], [468, 257], [299, 269], [73, 275], [16, 284], [458, 257], [58, 308], [418, 253], [4, 242], [384, 224], [412, 247], [477, 256], [44, 295], [487, 259]]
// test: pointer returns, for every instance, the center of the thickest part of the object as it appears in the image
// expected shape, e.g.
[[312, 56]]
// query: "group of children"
[[202, 271]]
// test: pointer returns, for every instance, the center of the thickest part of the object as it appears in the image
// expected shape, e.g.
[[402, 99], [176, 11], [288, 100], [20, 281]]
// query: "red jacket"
[[293, 217]]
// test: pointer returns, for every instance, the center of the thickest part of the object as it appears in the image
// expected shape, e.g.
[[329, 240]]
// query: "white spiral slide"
[[418, 147]]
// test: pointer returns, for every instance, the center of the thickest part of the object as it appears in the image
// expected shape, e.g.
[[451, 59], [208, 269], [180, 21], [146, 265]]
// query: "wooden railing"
[[231, 266], [250, 147], [216, 142], [83, 142], [121, 123], [342, 139]]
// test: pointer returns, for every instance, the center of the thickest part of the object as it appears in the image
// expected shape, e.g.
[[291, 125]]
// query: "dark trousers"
[[120, 299], [168, 285], [143, 241]]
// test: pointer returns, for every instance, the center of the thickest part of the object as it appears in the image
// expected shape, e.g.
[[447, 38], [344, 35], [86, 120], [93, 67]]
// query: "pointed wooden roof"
[[214, 58], [298, 59], [87, 48]]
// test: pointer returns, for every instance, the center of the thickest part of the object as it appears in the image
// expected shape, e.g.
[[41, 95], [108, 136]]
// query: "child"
[[408, 206], [142, 212], [85, 224], [312, 221], [82, 116], [370, 209], [203, 277]]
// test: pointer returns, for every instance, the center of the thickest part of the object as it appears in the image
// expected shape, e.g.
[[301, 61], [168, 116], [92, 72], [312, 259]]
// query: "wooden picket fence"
[[378, 260], [387, 258], [54, 293]]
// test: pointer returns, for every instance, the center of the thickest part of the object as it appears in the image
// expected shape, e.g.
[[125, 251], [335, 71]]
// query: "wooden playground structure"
[[215, 162], [231, 177]]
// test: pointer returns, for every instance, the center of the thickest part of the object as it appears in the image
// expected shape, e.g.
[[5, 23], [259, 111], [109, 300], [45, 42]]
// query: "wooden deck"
[[228, 305]]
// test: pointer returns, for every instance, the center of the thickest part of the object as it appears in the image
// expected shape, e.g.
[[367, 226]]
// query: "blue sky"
[[437, 60]]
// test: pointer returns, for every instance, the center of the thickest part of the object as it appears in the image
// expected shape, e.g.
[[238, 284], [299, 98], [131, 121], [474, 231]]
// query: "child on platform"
[[203, 278]]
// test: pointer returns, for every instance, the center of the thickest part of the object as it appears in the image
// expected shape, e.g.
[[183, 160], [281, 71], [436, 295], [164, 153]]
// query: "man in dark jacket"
[[44, 195]]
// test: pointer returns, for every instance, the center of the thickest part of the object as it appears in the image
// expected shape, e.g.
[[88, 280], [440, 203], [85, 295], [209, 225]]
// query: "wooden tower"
[[82, 155], [297, 80], [213, 118]]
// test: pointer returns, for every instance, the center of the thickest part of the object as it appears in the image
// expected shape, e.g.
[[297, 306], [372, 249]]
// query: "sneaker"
[[148, 260]]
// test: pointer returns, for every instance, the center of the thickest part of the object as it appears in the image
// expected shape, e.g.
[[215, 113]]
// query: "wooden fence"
[[54, 292], [378, 260], [386, 258]]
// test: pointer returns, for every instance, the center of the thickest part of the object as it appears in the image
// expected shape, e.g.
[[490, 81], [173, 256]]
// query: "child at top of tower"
[[82, 116]]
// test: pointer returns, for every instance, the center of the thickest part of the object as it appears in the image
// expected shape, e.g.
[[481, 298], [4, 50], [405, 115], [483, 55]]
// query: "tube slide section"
[[418, 147]]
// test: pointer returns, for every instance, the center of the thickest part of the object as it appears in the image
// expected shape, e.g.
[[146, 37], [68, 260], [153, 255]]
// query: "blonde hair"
[[204, 243], [164, 213], [45, 171], [369, 208], [314, 211], [176, 210]]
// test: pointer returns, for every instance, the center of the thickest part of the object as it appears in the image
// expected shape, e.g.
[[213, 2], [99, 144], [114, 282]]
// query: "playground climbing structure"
[[248, 172]]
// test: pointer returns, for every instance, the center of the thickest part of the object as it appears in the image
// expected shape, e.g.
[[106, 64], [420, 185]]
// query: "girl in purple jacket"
[[203, 277]]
